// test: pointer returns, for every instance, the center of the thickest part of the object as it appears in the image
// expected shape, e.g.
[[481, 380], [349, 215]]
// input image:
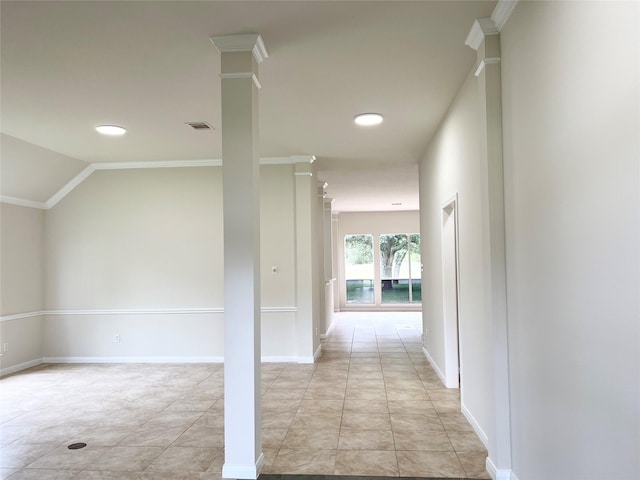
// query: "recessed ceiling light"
[[112, 130], [368, 119]]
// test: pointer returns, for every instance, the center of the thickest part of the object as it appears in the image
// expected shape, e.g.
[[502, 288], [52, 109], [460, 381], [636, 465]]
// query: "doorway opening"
[[450, 293]]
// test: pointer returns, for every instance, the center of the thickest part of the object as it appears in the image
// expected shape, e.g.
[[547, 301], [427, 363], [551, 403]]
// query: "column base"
[[499, 474], [249, 472]]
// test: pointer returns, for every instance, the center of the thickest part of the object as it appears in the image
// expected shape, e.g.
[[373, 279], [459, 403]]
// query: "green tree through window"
[[359, 249]]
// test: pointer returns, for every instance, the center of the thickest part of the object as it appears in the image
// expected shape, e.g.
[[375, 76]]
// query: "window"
[[398, 278], [358, 268], [399, 264]]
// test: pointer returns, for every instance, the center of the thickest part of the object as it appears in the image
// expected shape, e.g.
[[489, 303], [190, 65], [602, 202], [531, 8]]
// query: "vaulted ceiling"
[[149, 66]]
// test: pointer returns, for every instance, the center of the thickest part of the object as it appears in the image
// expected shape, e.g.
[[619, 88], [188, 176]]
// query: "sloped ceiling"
[[149, 66]]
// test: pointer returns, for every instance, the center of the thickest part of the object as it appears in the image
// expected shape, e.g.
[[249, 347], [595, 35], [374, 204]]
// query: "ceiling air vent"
[[200, 126]]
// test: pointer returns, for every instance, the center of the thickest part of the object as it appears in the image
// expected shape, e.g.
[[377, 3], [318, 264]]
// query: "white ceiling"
[[149, 66]]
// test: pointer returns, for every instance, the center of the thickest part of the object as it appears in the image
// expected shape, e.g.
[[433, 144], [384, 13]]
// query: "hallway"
[[371, 406], [374, 396]]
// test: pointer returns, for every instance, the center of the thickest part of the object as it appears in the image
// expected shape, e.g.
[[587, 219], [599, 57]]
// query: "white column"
[[243, 427], [306, 297], [327, 253], [328, 238], [485, 39]]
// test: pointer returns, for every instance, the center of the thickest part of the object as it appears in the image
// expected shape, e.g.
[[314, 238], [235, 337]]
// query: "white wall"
[[21, 284], [453, 164], [571, 156], [148, 238], [375, 223], [277, 240], [139, 253]]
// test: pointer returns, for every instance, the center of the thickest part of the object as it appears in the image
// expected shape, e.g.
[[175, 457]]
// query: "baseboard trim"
[[133, 360], [21, 366], [499, 474], [331, 327], [317, 354], [136, 311], [243, 471], [264, 359], [476, 426], [434, 366]]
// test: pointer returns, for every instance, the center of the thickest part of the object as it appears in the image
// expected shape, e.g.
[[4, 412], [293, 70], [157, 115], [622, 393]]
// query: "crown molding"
[[158, 164], [292, 160], [303, 158], [73, 183], [242, 43], [250, 75], [502, 12], [21, 202], [84, 174], [276, 161], [87, 171], [482, 27]]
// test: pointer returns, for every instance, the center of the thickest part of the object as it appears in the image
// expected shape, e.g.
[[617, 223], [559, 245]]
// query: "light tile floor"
[[372, 405]]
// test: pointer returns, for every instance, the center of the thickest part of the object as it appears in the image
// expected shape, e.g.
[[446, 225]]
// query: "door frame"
[[451, 299]]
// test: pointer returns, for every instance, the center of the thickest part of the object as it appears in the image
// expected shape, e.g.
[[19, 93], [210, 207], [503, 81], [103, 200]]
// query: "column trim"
[[481, 28], [251, 42], [250, 75], [243, 471], [484, 63]]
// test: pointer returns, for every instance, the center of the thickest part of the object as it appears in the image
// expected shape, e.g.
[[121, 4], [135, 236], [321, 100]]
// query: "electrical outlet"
[[5, 347], [116, 338]]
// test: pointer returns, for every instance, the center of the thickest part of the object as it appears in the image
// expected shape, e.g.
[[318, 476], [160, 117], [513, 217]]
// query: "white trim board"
[[434, 365], [317, 353], [133, 360], [496, 474], [475, 425], [20, 316], [125, 360], [330, 329], [21, 202], [502, 12], [89, 169], [137, 311], [243, 471], [21, 366]]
